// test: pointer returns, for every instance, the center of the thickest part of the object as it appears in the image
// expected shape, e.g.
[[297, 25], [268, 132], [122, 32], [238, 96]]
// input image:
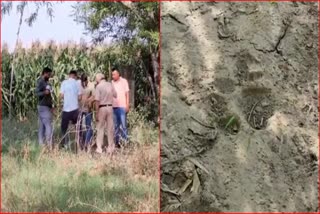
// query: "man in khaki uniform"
[[104, 95]]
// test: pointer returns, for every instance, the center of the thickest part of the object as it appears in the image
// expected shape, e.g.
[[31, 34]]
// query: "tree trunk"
[[13, 60], [152, 87], [132, 93], [155, 67], [110, 73], [150, 81]]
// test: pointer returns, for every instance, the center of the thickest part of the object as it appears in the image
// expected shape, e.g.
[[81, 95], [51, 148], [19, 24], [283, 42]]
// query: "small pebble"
[[264, 103], [259, 109], [227, 181], [235, 129]]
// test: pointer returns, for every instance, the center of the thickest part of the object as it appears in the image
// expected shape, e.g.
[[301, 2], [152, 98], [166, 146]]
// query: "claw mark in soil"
[[281, 38], [176, 19]]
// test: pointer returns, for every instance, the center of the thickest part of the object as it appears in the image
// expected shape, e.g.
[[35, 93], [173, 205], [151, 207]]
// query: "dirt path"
[[249, 70]]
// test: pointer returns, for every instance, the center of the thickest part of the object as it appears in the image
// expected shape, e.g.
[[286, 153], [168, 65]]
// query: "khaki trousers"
[[105, 118]]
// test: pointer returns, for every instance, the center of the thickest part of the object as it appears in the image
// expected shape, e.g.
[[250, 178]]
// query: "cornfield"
[[29, 63]]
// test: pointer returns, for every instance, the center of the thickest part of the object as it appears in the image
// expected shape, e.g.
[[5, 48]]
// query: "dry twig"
[[203, 124], [252, 109]]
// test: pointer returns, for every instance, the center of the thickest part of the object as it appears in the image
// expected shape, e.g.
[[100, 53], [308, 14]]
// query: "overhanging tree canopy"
[[136, 24]]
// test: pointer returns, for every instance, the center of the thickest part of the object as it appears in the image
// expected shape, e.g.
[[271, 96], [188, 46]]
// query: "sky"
[[62, 28]]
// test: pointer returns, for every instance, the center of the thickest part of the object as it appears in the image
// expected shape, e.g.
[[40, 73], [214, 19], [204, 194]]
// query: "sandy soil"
[[239, 106]]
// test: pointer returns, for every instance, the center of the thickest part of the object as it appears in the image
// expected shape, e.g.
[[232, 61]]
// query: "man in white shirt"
[[71, 95]]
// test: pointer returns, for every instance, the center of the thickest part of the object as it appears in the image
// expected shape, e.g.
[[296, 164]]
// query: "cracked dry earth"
[[239, 107]]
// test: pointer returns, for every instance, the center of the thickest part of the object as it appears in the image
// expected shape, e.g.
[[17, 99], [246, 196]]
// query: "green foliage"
[[47, 186], [65, 182], [63, 58], [6, 8], [230, 123], [124, 21], [142, 132], [135, 25]]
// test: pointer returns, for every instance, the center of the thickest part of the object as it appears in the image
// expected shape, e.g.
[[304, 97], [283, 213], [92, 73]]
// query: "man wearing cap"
[[71, 95], [104, 95], [120, 106]]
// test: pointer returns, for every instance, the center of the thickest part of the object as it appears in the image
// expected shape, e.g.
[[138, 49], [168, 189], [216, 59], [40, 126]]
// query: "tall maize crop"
[[61, 58]]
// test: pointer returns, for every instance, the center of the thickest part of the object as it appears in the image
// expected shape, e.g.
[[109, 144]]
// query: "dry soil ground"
[[239, 96]]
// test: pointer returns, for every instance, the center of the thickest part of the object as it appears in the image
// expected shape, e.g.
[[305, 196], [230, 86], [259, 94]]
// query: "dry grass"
[[34, 179]]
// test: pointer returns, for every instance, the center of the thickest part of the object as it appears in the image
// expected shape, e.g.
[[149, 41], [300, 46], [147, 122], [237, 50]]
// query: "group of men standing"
[[109, 100]]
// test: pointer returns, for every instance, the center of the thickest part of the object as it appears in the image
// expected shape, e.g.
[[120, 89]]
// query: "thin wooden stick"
[[203, 124]]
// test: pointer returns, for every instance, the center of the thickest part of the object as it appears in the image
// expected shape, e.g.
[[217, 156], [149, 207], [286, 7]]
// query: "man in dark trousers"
[[71, 94], [45, 107]]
